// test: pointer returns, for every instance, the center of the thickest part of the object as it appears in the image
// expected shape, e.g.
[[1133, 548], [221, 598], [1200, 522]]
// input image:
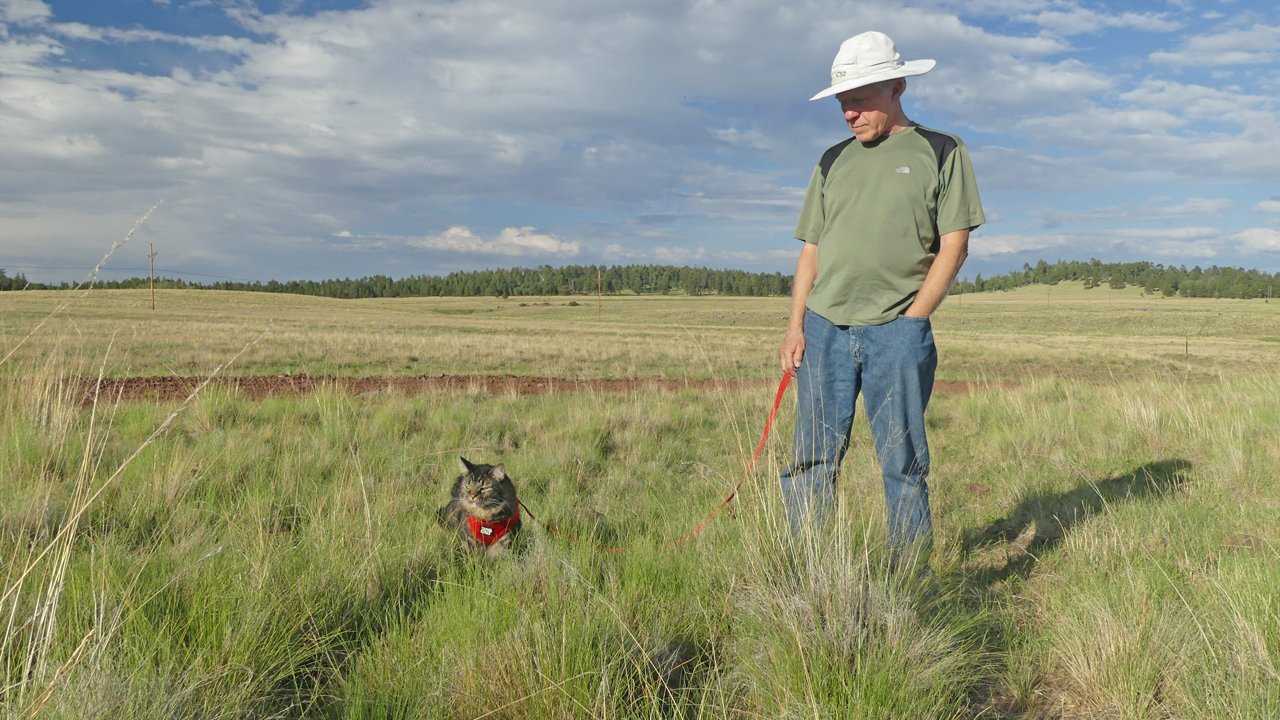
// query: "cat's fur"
[[486, 493]]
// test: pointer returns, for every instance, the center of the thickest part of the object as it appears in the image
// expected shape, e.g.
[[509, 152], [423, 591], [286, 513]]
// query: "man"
[[886, 224]]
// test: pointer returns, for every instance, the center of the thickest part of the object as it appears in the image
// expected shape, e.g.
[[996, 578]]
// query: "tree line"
[[16, 282], [1213, 282], [513, 282]]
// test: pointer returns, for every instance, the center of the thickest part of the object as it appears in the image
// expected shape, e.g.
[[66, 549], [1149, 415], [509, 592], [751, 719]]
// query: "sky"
[[318, 139]]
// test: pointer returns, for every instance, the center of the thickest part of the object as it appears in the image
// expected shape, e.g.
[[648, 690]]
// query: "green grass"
[[280, 558]]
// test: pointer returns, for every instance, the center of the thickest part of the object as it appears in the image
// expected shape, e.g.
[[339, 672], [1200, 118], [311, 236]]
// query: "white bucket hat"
[[869, 58]]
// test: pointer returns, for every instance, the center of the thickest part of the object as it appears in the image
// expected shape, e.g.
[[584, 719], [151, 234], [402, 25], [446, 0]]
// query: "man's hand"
[[954, 248], [806, 274], [792, 351]]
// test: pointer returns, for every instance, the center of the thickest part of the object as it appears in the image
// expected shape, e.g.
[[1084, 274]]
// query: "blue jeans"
[[892, 365]]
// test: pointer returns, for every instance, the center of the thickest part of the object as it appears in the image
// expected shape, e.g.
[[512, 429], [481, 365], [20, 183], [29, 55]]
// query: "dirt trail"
[[262, 386]]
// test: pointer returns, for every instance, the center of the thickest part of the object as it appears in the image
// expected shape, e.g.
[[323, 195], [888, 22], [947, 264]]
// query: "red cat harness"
[[488, 533]]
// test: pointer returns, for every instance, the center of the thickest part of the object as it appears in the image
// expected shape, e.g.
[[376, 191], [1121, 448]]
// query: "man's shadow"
[[1040, 521]]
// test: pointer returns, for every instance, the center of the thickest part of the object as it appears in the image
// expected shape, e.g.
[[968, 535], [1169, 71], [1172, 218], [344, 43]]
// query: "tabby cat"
[[483, 509]]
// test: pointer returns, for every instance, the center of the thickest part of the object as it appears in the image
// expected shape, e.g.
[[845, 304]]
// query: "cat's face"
[[481, 487]]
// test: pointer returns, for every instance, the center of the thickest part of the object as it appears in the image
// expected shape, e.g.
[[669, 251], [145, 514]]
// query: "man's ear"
[[899, 87]]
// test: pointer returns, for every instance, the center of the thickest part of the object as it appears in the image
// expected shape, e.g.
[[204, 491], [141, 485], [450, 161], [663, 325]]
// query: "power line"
[[14, 266], [220, 277], [51, 267]]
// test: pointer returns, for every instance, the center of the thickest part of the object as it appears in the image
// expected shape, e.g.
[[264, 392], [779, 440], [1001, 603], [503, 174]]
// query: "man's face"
[[869, 111]]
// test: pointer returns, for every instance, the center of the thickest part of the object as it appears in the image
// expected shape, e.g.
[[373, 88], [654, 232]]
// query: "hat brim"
[[908, 69]]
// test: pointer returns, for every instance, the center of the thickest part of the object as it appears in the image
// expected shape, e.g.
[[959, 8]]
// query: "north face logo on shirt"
[[903, 170]]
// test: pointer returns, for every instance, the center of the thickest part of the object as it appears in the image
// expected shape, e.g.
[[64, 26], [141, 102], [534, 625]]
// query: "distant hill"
[[1214, 282], [1219, 282]]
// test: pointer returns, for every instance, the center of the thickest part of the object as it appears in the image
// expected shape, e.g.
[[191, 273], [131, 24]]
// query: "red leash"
[[768, 426]]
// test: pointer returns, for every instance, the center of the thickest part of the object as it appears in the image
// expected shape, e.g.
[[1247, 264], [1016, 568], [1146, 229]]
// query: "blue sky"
[[312, 139]]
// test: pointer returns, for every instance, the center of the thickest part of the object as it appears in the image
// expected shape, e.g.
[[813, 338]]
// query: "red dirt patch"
[[261, 386]]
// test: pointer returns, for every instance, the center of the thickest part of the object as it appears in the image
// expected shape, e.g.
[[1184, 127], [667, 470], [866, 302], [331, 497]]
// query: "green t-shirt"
[[876, 211]]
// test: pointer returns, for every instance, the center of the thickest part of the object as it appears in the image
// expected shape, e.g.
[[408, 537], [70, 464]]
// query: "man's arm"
[[953, 248], [806, 274]]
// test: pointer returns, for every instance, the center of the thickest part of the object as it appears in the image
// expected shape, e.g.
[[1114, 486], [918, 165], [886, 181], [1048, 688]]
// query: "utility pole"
[[151, 255], [599, 295]]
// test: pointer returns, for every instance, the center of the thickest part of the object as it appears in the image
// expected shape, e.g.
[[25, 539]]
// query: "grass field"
[[1060, 331], [1108, 522]]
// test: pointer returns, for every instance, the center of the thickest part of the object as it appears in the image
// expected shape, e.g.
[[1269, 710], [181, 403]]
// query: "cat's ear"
[[498, 472], [467, 464]]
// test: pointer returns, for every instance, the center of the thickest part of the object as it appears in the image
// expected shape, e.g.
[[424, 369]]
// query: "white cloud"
[[1247, 46], [24, 12], [1181, 233], [1187, 242], [208, 43], [698, 255], [1003, 8], [1064, 17], [1268, 206], [1074, 19], [1195, 206], [742, 138], [990, 90], [1053, 217], [1217, 132], [1002, 168], [17, 52], [1198, 100], [1259, 239], [511, 242], [725, 192], [1177, 249], [987, 246]]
